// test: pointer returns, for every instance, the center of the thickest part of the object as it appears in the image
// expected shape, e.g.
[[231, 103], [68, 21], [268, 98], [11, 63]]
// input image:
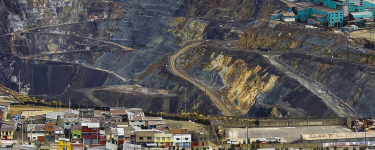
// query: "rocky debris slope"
[[298, 39], [353, 83], [251, 84], [235, 9]]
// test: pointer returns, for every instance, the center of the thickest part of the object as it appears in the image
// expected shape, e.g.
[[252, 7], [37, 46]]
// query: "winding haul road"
[[339, 107], [175, 67]]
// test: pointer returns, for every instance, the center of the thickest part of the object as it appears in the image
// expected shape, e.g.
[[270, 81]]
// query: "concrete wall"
[[287, 122], [283, 146]]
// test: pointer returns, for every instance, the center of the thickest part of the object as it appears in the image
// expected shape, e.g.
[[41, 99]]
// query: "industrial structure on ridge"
[[331, 13]]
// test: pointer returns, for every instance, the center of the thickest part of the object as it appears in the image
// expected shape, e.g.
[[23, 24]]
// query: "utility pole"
[[370, 39], [247, 134], [22, 132], [19, 87], [185, 101], [347, 50], [32, 80], [69, 103], [117, 103], [365, 132]]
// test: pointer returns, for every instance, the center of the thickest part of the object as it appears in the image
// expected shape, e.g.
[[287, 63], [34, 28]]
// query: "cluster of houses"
[[84, 128]]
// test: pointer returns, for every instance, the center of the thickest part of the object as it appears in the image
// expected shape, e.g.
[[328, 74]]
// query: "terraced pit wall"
[[352, 83], [301, 40], [251, 84]]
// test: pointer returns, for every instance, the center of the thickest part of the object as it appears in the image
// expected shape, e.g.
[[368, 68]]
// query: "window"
[[94, 141], [86, 141], [94, 134], [186, 139], [140, 121], [127, 138], [140, 138], [158, 138], [49, 126], [93, 129], [50, 121], [149, 138], [168, 138], [132, 121], [163, 138], [177, 138], [67, 124], [85, 133]]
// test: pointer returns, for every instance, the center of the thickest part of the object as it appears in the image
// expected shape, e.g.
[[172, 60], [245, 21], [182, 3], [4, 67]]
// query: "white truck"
[[310, 27], [232, 142]]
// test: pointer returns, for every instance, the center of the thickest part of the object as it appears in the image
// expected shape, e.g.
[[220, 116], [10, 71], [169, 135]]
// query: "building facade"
[[183, 140]]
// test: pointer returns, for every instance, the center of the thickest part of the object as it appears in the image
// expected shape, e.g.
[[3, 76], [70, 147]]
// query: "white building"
[[182, 140], [137, 119], [34, 131]]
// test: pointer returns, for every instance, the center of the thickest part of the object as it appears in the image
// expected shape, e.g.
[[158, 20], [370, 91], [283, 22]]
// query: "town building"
[[59, 132], [340, 139], [86, 112], [7, 131], [90, 133], [49, 129], [76, 131], [202, 139], [143, 137], [38, 119], [153, 124], [137, 119], [163, 139], [35, 132], [181, 137]]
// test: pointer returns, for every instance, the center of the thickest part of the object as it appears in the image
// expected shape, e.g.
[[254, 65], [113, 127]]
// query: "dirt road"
[[175, 68]]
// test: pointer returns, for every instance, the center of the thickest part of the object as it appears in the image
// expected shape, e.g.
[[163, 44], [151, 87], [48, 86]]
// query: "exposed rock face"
[[350, 82], [298, 39], [252, 84], [236, 9]]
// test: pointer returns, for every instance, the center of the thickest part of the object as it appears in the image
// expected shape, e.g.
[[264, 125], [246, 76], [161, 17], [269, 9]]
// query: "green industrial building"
[[332, 12]]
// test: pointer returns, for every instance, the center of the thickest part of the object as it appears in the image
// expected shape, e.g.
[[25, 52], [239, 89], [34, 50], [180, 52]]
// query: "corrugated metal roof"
[[156, 122], [93, 125], [290, 14], [118, 112], [137, 116], [154, 118], [120, 131], [179, 131], [71, 112], [35, 127], [77, 127], [7, 127], [216, 122], [337, 135], [51, 115], [318, 16], [361, 13]]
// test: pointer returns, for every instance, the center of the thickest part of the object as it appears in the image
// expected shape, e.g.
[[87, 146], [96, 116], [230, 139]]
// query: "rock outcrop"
[[352, 83], [251, 84]]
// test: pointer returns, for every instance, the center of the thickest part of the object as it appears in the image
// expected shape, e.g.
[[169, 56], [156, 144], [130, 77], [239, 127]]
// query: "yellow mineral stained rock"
[[186, 29], [247, 84], [275, 113]]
